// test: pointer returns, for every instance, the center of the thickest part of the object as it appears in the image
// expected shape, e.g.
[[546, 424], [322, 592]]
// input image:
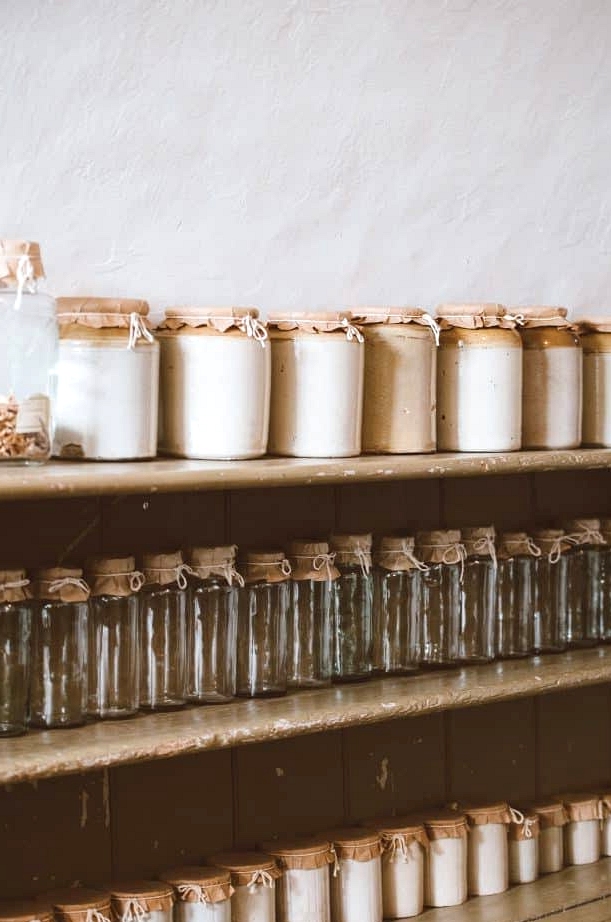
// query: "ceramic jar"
[[78, 904], [253, 878], [479, 379], [303, 890], [582, 831], [524, 848], [202, 894], [552, 820], [214, 383], [356, 886], [107, 380], [445, 874], [317, 385], [134, 901], [551, 379], [595, 338], [488, 854], [404, 846], [400, 379]]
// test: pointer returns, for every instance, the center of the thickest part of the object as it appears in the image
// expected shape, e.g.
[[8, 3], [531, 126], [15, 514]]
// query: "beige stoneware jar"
[[595, 336], [400, 379], [317, 385], [479, 379], [551, 379], [215, 383]]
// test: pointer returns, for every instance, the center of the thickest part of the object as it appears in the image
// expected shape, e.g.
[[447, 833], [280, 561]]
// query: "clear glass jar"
[[551, 590], [445, 868], [487, 849], [163, 632], [356, 888], [582, 833], [58, 683], [309, 616], [524, 849], [137, 900], [253, 878], [28, 357], [212, 624], [444, 555], [303, 891], [605, 581], [552, 819], [584, 582], [352, 608], [262, 616], [107, 358], [396, 607], [477, 617], [114, 647], [15, 628], [203, 894], [515, 595]]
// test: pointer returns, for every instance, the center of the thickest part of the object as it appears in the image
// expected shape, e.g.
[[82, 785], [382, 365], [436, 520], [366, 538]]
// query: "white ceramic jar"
[[107, 380], [404, 845], [445, 870], [202, 894], [303, 891], [552, 820], [479, 379], [551, 379], [317, 385], [135, 901], [488, 861], [78, 904], [523, 848], [400, 379], [253, 878], [215, 383], [595, 337], [356, 882], [582, 831]]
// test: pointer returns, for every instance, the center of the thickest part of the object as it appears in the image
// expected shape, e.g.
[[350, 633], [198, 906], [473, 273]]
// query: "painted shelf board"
[[42, 754], [81, 478]]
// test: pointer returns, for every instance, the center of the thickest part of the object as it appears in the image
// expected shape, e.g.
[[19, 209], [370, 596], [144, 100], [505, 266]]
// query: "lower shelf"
[[579, 894]]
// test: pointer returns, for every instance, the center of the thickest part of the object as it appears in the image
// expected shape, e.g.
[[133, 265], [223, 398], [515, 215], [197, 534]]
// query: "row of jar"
[[390, 869], [87, 378]]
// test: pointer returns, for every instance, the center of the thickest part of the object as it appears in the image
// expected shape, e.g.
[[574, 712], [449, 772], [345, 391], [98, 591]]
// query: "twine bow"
[[203, 571], [136, 580], [518, 319], [196, 890], [334, 860], [138, 330], [486, 546], [351, 331], [455, 553], [253, 327], [533, 548], [430, 322], [586, 535], [25, 279], [364, 559], [406, 551], [57, 584], [556, 549], [396, 845], [94, 915], [324, 560], [134, 911], [261, 878], [15, 584]]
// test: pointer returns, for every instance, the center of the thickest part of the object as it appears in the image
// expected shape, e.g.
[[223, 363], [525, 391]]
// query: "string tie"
[[138, 330], [352, 332], [25, 279], [57, 584], [94, 915], [179, 573], [335, 861], [134, 911], [406, 551], [586, 536], [253, 328], [203, 571], [15, 584], [196, 890], [396, 845], [261, 878], [324, 560], [486, 546], [518, 319], [533, 548], [431, 322], [136, 580], [556, 549]]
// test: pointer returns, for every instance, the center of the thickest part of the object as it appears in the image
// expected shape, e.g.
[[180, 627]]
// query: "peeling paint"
[[382, 775], [84, 799]]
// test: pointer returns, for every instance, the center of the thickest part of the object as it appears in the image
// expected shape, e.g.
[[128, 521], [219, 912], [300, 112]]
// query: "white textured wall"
[[311, 152]]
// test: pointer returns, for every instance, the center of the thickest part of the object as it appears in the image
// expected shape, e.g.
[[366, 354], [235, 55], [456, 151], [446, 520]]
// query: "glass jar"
[[595, 338], [479, 379], [262, 616], [163, 632], [303, 893], [317, 385], [582, 833], [107, 380], [29, 355], [584, 582], [356, 883], [15, 628], [215, 379], [253, 878], [551, 379], [605, 581], [478, 608], [445, 868], [441, 606], [400, 379], [202, 894], [550, 590], [515, 595], [78, 904], [605, 838], [487, 851], [552, 819], [135, 901], [58, 682], [404, 845], [524, 848], [114, 647], [309, 616], [396, 606], [352, 608], [212, 624]]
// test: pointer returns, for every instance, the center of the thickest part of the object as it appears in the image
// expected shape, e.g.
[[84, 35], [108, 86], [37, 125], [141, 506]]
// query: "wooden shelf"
[[78, 478], [157, 736]]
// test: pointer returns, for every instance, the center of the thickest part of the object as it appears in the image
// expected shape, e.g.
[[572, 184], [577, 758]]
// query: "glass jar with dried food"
[[404, 846], [253, 878], [444, 556], [352, 608], [523, 847], [595, 337], [58, 683], [203, 894], [114, 647], [134, 901], [552, 820], [303, 893], [476, 634], [309, 616], [445, 869], [163, 631], [356, 883], [550, 590], [29, 355], [262, 615], [515, 594], [397, 606], [15, 628], [584, 582], [582, 833]]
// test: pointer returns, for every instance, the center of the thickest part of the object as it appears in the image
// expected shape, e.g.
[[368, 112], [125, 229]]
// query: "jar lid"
[[397, 554], [205, 562], [440, 546], [60, 584], [311, 559], [550, 813], [479, 541], [164, 568], [584, 531], [248, 868], [516, 544], [302, 854], [474, 316], [592, 325], [398, 831], [355, 844], [150, 895], [266, 567], [445, 824], [605, 801], [316, 322], [104, 313], [201, 884], [113, 576], [552, 542], [14, 586], [25, 911], [351, 550], [484, 814], [584, 806], [16, 252], [393, 316], [73, 904], [220, 319], [541, 316]]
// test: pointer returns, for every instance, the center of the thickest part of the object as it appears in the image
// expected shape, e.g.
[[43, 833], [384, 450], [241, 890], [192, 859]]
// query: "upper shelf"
[[158, 736], [82, 478]]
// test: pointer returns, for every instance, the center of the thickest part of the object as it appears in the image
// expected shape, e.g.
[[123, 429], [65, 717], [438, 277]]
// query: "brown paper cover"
[[10, 590], [11, 252], [265, 567], [113, 576], [474, 316], [586, 325], [356, 844], [311, 559], [101, 313], [201, 884], [406, 828], [529, 829], [60, 584], [163, 569], [551, 540], [605, 530], [392, 315], [204, 562], [535, 316], [605, 802], [151, 896], [397, 554], [246, 866], [310, 321], [487, 814], [220, 319], [516, 544], [25, 911], [445, 824], [551, 814], [439, 546], [302, 854], [584, 531], [351, 550], [73, 904], [479, 540], [582, 807]]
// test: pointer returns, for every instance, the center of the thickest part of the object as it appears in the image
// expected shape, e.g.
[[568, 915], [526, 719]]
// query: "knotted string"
[[178, 571], [134, 911], [135, 577], [252, 327], [203, 571], [15, 584], [57, 584], [261, 878], [284, 565], [395, 843], [586, 535], [196, 890], [94, 915], [406, 551], [351, 331], [486, 547], [556, 549], [430, 322], [453, 553], [25, 277], [533, 549], [518, 319], [324, 560], [138, 330], [334, 860]]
